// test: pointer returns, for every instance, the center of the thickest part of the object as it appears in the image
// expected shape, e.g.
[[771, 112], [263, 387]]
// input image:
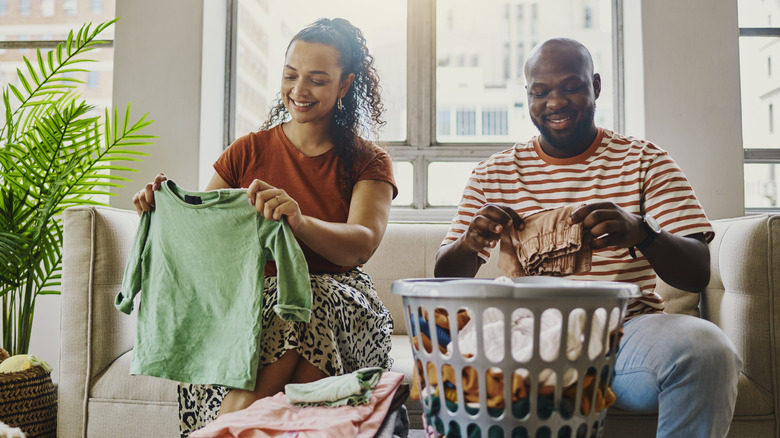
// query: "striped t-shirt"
[[634, 174]]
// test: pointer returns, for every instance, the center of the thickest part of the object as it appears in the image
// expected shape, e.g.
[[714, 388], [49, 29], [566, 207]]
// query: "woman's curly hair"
[[362, 106]]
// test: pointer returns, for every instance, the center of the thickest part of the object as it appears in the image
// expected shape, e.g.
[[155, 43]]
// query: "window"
[[24, 32], [588, 17], [93, 79], [262, 31], [71, 7], [494, 121], [24, 8], [454, 90], [96, 7], [759, 42], [47, 8], [465, 122]]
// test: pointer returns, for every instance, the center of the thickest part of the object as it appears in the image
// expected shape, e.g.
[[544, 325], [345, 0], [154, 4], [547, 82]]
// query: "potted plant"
[[54, 153]]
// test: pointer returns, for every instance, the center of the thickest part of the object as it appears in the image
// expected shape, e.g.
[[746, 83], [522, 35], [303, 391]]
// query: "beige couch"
[[98, 398]]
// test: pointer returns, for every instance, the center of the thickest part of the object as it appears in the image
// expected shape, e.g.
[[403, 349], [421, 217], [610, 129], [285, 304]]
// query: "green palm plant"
[[54, 153]]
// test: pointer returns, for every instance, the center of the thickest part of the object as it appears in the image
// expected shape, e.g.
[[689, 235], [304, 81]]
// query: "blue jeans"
[[682, 367]]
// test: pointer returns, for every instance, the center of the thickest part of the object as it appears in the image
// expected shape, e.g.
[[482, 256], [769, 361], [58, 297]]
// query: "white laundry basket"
[[559, 384]]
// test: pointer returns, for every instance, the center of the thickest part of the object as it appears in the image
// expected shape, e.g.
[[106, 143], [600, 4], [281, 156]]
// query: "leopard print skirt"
[[350, 329]]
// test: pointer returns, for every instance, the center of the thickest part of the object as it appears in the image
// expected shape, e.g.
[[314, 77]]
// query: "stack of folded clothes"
[[367, 403]]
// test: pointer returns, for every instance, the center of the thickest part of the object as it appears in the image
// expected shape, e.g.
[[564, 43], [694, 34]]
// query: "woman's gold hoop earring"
[[339, 105]]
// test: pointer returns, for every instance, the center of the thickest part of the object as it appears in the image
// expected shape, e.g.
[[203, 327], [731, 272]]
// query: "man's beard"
[[571, 142]]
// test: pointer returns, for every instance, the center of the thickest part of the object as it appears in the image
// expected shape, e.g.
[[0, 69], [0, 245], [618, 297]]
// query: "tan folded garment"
[[548, 245]]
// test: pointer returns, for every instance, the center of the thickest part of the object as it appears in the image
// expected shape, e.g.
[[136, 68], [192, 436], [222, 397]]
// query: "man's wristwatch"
[[653, 230]]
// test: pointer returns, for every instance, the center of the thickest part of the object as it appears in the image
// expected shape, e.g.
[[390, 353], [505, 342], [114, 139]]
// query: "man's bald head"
[[561, 50]]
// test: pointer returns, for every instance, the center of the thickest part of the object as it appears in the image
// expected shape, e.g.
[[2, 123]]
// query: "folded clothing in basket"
[[522, 348]]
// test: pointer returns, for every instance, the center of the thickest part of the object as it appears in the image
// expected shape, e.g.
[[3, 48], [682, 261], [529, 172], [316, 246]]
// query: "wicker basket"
[[28, 400]]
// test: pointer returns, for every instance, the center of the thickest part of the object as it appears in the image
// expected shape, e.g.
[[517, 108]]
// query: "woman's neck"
[[310, 140]]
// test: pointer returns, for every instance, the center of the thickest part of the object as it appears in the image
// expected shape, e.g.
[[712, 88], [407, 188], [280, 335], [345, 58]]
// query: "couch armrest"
[[742, 298], [96, 242]]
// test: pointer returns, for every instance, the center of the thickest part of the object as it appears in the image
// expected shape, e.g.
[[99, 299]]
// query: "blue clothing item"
[[690, 380], [198, 258]]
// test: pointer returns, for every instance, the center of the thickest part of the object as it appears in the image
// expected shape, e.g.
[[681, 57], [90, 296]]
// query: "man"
[[642, 219]]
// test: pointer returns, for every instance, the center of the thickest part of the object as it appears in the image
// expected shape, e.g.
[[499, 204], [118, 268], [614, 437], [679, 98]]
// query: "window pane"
[[265, 29], [446, 181], [47, 8], [760, 99], [17, 25], [96, 86], [481, 50], [758, 13], [762, 185], [403, 171], [71, 7]]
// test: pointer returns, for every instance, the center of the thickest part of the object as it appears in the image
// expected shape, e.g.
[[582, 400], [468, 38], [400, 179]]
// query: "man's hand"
[[680, 261], [489, 222], [608, 224], [461, 257]]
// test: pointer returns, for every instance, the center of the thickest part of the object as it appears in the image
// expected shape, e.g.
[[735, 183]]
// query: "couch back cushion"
[[408, 250]]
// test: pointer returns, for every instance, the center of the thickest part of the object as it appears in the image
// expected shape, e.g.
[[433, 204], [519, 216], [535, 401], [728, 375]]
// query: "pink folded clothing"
[[276, 417], [547, 245]]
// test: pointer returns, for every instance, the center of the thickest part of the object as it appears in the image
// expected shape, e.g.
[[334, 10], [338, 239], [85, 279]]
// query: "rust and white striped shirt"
[[634, 174]]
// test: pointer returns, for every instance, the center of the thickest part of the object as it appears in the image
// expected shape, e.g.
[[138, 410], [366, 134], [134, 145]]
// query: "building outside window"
[[465, 122], [494, 121], [451, 73], [759, 42], [71, 7], [26, 30]]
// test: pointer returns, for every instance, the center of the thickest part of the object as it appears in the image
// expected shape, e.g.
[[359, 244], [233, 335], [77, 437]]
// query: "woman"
[[309, 165]]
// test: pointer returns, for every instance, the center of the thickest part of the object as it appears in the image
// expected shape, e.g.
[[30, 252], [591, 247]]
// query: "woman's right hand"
[[144, 198]]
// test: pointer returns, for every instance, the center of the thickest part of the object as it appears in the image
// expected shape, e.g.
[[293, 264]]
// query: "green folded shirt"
[[349, 389]]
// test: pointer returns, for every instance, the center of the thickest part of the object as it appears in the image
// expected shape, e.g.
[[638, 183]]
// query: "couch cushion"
[[410, 249], [116, 383]]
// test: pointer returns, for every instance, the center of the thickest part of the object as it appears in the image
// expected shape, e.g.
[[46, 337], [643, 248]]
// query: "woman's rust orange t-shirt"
[[314, 182]]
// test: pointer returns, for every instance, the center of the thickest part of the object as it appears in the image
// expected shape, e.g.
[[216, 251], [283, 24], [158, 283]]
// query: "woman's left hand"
[[273, 203]]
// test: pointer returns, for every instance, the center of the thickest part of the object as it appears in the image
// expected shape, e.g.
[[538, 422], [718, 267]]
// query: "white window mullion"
[[421, 71]]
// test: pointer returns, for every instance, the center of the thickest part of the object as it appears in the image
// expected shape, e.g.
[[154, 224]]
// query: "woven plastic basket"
[[28, 400], [559, 386]]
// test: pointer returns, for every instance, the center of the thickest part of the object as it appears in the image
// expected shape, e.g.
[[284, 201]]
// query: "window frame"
[[760, 155]]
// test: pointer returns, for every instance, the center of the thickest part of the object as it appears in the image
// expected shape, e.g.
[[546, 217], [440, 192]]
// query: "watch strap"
[[651, 236]]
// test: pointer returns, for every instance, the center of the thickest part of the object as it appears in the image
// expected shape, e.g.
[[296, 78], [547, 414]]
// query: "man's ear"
[[597, 85], [345, 84]]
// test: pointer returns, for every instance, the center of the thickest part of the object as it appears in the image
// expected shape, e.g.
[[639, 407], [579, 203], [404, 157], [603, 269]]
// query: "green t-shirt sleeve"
[[131, 282], [293, 286]]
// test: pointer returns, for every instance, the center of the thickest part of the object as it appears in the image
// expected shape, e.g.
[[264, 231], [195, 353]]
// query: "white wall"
[[691, 93], [169, 61]]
